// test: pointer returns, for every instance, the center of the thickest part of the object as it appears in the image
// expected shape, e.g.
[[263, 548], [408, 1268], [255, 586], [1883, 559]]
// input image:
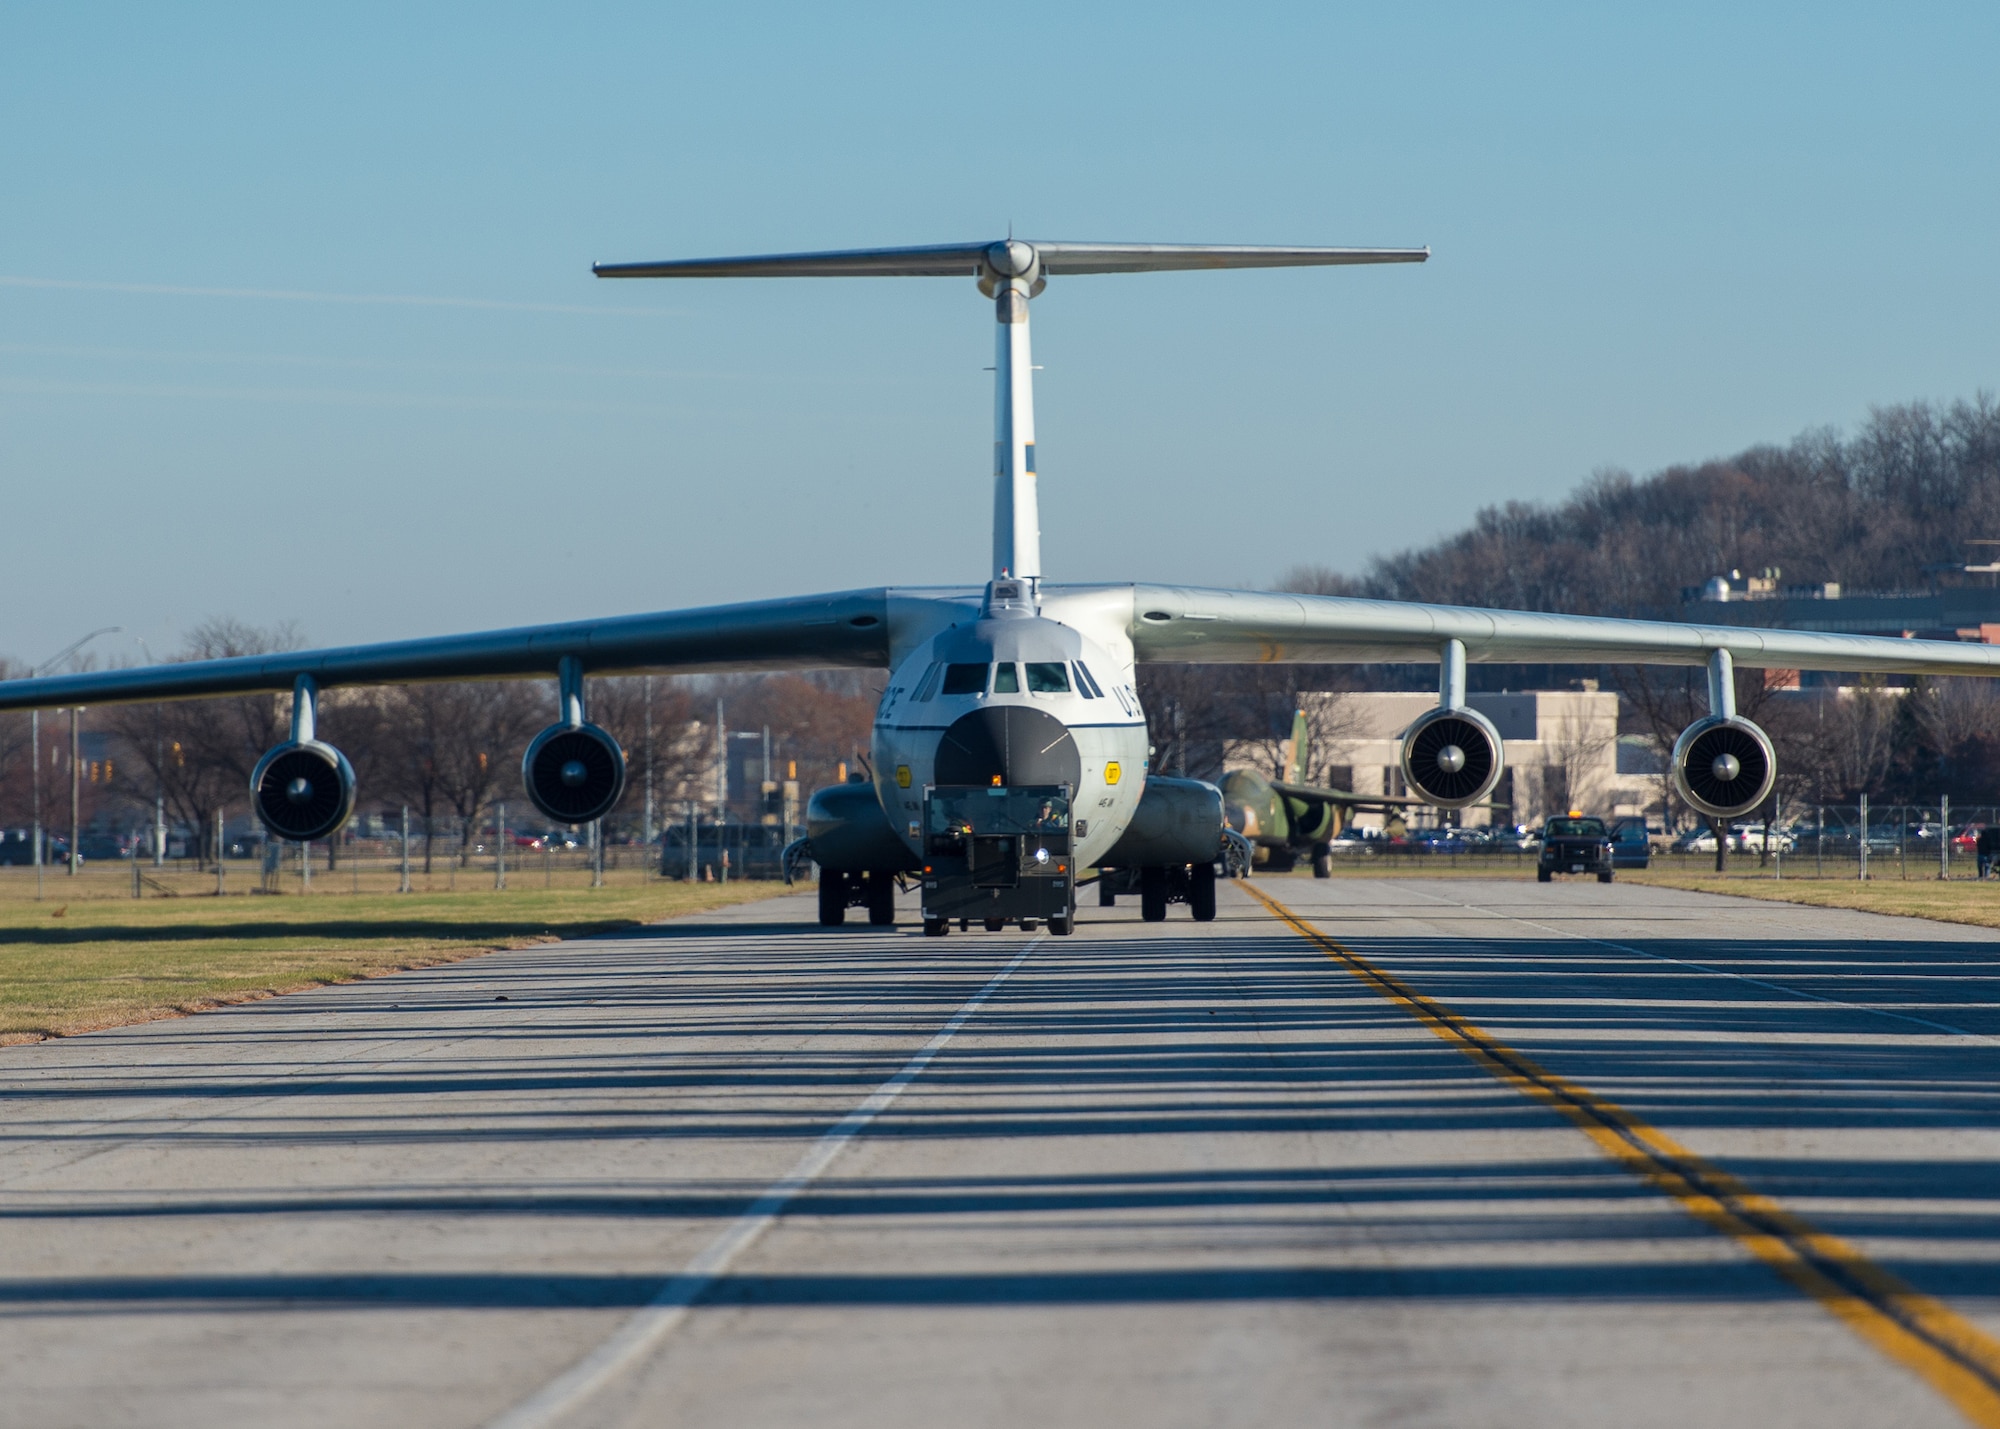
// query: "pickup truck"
[[1574, 844]]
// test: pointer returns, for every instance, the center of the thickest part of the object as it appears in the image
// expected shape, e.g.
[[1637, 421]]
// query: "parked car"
[[1355, 841], [1439, 841], [1630, 846]]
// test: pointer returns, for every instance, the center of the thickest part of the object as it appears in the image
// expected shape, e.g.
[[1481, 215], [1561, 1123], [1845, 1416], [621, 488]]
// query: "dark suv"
[[1574, 844], [1631, 847]]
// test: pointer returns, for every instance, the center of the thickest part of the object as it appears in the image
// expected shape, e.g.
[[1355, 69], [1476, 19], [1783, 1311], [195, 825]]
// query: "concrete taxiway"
[[739, 1170]]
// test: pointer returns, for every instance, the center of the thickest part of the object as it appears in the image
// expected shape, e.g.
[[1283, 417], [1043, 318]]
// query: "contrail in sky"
[[294, 296]]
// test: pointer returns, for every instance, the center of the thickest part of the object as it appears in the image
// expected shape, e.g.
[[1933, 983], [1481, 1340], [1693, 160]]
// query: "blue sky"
[[1657, 236]]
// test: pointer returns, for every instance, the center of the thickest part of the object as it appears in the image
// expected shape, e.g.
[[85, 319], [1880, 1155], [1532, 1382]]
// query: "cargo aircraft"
[[1018, 689]]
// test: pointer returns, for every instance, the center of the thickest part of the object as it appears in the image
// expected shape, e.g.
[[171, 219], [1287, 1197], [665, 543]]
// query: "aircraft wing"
[[1184, 623], [854, 629], [1345, 796]]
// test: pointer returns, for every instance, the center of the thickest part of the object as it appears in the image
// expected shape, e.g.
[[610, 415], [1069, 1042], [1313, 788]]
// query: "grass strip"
[[1957, 901], [76, 967]]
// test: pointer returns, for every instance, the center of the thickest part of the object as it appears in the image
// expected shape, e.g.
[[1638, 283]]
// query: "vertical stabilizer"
[[1012, 275]]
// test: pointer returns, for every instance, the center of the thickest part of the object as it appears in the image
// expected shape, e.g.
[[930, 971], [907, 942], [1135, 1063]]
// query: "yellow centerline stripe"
[[1956, 1357]]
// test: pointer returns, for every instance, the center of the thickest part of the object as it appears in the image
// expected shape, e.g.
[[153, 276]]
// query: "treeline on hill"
[[449, 752], [1874, 511]]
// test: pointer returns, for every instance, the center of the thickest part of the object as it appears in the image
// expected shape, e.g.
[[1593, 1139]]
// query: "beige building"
[[1561, 751]]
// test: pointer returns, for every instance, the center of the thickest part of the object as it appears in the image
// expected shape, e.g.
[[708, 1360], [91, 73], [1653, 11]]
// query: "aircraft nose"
[[1020, 745]]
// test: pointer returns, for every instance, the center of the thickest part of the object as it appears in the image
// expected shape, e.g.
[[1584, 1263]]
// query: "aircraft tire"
[[1153, 895], [882, 899], [1322, 861], [1542, 875], [1106, 896], [1201, 892], [936, 927], [832, 898], [1027, 925], [1059, 927], [996, 925]]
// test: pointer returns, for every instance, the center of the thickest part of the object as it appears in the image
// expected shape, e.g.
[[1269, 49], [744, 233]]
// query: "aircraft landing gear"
[[1153, 895], [1322, 860], [1107, 897], [832, 898], [881, 899], [1201, 892]]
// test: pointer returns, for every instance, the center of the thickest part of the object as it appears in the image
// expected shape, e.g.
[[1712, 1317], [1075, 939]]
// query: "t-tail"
[[1010, 272]]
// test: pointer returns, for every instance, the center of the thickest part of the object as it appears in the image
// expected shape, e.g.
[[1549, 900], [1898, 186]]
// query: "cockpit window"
[[1006, 679], [1051, 678], [927, 686], [964, 680], [1086, 684]]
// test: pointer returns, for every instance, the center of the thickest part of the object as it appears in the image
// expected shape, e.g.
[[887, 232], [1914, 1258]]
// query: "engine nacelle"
[[574, 772], [1452, 757], [302, 790], [1724, 767]]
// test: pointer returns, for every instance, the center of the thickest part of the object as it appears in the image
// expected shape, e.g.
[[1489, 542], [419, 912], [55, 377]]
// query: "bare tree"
[[1194, 711], [1845, 746], [1573, 754], [200, 753], [452, 751]]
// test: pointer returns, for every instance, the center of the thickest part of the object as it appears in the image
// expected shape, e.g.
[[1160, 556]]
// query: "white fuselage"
[[1066, 699]]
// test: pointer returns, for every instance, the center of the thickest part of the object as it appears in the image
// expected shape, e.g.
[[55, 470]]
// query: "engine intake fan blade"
[[574, 773], [1452, 758], [1724, 767], [302, 790]]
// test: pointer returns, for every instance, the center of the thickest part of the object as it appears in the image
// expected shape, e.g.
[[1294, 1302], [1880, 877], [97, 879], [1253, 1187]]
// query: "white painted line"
[[654, 1322]]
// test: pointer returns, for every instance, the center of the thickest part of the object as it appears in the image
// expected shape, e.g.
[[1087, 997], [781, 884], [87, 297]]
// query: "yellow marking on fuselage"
[[1956, 1357]]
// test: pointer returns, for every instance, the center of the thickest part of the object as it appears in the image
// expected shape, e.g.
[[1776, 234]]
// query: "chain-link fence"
[[448, 863]]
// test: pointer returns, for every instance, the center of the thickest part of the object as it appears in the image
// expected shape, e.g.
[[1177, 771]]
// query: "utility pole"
[[694, 844], [75, 792], [1944, 836], [218, 852], [597, 853], [405, 888], [1864, 838], [500, 845], [649, 761], [35, 737]]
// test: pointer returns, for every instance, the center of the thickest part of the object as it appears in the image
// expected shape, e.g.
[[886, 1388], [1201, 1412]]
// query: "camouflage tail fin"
[[1295, 772]]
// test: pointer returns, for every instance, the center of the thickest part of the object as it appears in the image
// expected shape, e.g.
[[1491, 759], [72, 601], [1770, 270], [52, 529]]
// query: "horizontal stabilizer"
[[965, 260]]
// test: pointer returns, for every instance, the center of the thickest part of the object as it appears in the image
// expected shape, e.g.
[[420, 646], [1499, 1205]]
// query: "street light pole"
[[35, 735]]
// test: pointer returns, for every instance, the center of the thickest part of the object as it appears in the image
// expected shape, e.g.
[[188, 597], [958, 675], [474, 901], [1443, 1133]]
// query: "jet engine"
[[1451, 757], [303, 789], [574, 770], [1724, 766]]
